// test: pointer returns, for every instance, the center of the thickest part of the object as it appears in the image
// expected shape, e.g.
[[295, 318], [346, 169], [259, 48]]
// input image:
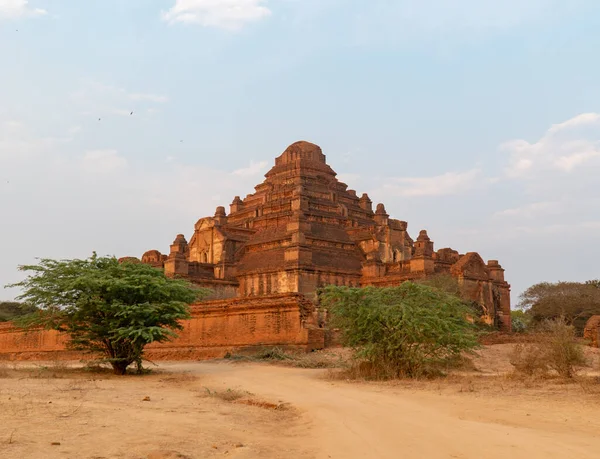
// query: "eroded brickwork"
[[216, 327], [302, 229]]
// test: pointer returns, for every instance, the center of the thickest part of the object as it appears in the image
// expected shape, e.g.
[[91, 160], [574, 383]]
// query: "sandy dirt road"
[[183, 410], [347, 420]]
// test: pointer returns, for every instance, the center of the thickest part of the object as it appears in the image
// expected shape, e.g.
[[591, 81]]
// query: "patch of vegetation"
[[266, 353], [179, 378], [444, 282], [555, 347], [407, 331], [277, 355], [449, 285], [107, 307], [57, 369], [272, 353], [229, 395], [11, 310], [318, 359], [520, 321], [243, 398], [575, 302]]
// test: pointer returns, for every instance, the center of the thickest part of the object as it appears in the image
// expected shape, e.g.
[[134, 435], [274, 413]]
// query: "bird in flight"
[[131, 114]]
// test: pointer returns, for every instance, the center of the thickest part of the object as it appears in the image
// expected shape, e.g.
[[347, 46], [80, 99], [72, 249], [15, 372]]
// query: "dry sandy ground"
[[308, 415]]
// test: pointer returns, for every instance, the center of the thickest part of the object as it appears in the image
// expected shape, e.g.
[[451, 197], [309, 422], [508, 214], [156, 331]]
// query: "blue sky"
[[477, 120]]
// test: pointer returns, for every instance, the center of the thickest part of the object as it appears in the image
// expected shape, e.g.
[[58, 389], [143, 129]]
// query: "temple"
[[302, 229]]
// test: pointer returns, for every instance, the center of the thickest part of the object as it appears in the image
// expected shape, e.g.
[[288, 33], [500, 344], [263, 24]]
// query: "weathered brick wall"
[[215, 328], [14, 340]]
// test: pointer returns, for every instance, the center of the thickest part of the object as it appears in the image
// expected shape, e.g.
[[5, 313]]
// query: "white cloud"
[[13, 125], [579, 120], [99, 199], [226, 14], [97, 99], [550, 170], [446, 184], [122, 112], [149, 97], [569, 162], [12, 9], [535, 209], [103, 162], [18, 143], [564, 147], [349, 178], [252, 170]]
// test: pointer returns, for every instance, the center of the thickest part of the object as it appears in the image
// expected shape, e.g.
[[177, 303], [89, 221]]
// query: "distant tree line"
[[575, 302], [10, 310]]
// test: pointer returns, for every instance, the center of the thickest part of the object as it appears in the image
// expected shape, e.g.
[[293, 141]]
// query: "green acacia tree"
[[405, 331], [106, 306]]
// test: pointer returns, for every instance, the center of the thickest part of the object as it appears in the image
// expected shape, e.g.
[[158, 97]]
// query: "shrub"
[[406, 331], [10, 310], [529, 359], [555, 348], [565, 354], [272, 353], [519, 321], [106, 306]]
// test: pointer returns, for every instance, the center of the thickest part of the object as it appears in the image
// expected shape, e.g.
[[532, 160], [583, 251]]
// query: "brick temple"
[[264, 261], [302, 229]]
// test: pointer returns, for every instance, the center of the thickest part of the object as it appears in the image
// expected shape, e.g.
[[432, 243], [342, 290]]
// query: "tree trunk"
[[120, 368]]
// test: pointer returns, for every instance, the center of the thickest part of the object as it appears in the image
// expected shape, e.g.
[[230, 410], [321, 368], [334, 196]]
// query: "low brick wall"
[[216, 327]]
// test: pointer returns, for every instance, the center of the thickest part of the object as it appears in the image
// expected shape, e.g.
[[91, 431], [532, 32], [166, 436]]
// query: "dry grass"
[[554, 348], [489, 374], [582, 389], [265, 405], [363, 370], [334, 358], [243, 397], [179, 378], [318, 359], [228, 395], [55, 369]]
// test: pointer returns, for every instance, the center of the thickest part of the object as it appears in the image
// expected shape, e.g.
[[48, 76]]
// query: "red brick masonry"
[[215, 328]]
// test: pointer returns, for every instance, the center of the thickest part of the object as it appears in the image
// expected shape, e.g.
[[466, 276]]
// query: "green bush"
[[10, 310], [520, 321], [407, 331]]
